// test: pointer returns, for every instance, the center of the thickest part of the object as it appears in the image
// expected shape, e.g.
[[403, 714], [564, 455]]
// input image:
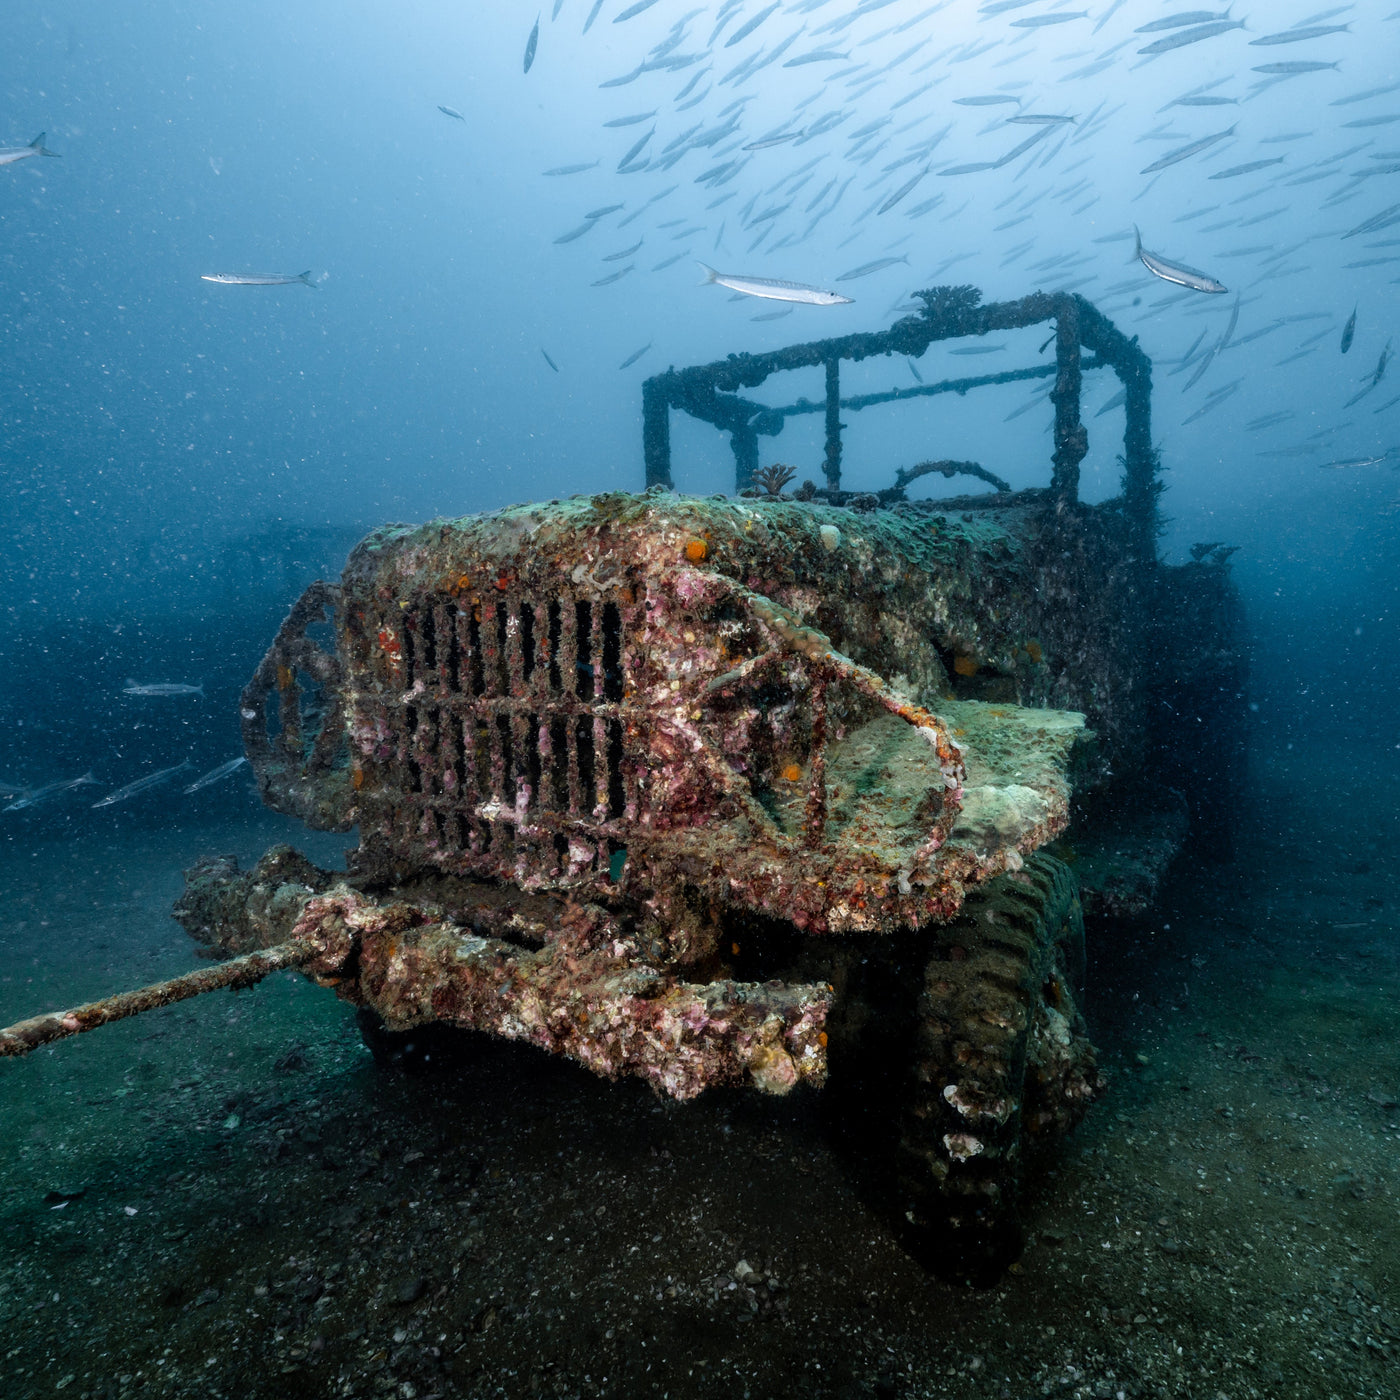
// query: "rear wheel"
[[1000, 1055]]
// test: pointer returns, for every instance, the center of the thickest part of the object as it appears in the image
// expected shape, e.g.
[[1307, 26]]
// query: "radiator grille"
[[509, 734]]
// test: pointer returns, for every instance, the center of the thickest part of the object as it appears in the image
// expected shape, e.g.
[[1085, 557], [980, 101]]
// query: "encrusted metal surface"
[[588, 993], [665, 700]]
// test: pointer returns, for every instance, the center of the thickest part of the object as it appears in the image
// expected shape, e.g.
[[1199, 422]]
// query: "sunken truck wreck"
[[749, 791]]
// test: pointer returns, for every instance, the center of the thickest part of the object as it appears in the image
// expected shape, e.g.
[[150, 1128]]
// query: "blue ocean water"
[[154, 422], [492, 283]]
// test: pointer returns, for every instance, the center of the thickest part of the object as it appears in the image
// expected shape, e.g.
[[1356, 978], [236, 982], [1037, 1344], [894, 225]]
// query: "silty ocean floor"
[[228, 1198]]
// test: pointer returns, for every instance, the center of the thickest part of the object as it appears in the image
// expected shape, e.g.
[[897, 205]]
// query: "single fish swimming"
[[635, 356], [451, 112], [1117, 401], [162, 688], [1190, 36], [766, 141], [533, 42], [1355, 462], [901, 192], [1039, 21], [1349, 331], [1038, 135], [1178, 21], [571, 169], [773, 288], [215, 774], [32, 799], [1376, 222], [141, 784], [259, 279], [1212, 402], [548, 360], [865, 269], [1292, 36], [1269, 420], [1175, 272], [636, 149], [10, 154], [613, 276], [1288, 70], [573, 233], [1186, 152], [1246, 169], [744, 31]]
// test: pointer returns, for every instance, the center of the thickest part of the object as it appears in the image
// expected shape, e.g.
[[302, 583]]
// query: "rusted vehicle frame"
[[711, 392], [730, 791]]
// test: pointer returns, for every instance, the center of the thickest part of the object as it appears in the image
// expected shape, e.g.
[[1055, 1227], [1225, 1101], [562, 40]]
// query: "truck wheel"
[[1000, 1055]]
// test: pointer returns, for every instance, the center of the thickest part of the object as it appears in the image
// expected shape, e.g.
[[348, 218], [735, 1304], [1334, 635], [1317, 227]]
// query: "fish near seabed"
[[163, 688], [215, 774], [1175, 272], [1349, 331], [32, 799], [773, 288], [10, 154], [141, 785]]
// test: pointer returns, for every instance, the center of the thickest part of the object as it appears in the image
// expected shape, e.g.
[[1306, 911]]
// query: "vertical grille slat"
[[543, 654], [409, 650], [475, 667], [445, 618], [501, 679], [568, 648], [601, 778]]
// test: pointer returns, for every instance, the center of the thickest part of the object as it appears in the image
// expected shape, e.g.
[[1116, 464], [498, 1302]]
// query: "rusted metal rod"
[[25, 1036], [832, 465], [905, 475]]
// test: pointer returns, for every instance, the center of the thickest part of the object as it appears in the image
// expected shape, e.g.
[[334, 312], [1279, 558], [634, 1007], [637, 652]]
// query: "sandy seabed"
[[229, 1199]]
